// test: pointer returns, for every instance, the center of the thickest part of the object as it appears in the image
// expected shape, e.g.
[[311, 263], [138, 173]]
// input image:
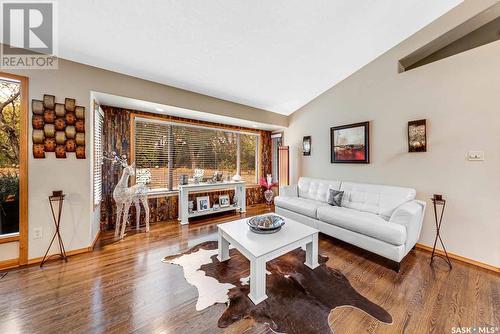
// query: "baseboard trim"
[[460, 258], [69, 253], [91, 247], [7, 264]]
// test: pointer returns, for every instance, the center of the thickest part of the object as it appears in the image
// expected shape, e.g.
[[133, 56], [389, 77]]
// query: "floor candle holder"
[[439, 202], [56, 197]]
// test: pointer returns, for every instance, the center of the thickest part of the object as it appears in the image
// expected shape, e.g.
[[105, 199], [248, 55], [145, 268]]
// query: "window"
[[248, 157], [164, 151], [10, 134], [152, 144], [98, 154]]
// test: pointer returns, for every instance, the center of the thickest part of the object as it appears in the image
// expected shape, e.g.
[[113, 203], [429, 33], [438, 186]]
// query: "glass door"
[[10, 101], [13, 170]]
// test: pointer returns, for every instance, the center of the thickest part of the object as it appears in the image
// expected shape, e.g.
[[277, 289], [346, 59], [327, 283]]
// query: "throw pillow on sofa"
[[335, 197]]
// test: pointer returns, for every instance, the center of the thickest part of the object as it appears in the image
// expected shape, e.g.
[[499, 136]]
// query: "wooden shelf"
[[208, 212]]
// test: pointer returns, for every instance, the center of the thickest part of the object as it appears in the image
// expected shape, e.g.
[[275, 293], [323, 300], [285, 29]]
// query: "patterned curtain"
[[116, 133]]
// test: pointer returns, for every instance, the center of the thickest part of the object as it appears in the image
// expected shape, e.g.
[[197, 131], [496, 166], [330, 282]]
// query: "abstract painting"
[[417, 137], [350, 143]]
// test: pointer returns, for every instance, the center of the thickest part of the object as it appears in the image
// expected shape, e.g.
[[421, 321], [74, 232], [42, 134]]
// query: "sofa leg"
[[395, 266]]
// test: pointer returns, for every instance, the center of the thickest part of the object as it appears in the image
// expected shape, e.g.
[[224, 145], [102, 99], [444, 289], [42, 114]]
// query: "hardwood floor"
[[124, 287]]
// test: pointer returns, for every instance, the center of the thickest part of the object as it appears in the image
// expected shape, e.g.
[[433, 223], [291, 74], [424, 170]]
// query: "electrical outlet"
[[37, 233]]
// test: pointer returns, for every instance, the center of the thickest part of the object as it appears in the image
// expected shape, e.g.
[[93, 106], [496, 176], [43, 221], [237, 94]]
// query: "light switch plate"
[[475, 155]]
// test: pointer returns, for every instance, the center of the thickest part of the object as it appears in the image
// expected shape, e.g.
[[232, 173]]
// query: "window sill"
[[159, 192], [11, 237]]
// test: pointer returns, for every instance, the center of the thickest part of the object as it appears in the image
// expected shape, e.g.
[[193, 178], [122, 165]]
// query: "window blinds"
[[153, 150], [249, 158], [98, 154], [164, 151]]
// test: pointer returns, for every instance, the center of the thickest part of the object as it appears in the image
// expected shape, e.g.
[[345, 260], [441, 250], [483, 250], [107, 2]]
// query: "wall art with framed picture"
[[203, 203], [350, 143], [306, 145], [417, 136]]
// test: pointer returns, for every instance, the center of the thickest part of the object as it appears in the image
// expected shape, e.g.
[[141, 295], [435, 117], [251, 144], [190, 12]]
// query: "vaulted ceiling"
[[275, 55]]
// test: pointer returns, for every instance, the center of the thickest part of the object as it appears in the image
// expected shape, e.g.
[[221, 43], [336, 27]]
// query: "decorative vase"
[[268, 195]]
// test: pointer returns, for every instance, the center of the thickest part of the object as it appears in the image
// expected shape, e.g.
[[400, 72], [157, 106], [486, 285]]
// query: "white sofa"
[[385, 220]]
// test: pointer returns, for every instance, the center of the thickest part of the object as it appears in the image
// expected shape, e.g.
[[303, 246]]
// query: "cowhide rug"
[[299, 299]]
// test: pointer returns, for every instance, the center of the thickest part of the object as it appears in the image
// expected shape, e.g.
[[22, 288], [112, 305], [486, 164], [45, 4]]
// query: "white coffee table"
[[261, 248]]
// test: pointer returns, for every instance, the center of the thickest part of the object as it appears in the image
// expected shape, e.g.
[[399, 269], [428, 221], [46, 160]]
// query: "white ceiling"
[[275, 55]]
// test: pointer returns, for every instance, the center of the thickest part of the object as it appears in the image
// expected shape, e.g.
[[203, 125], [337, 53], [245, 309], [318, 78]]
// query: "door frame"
[[23, 166]]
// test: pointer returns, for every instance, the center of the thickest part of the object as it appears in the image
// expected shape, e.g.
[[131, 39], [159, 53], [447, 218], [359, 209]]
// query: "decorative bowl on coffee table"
[[266, 224]]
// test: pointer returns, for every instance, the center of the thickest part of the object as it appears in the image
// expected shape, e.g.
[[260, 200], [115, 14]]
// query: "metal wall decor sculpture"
[[417, 136], [306, 146], [124, 196], [55, 127]]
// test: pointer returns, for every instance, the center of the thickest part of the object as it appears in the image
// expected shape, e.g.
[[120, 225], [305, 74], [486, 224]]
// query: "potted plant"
[[268, 184], [9, 202]]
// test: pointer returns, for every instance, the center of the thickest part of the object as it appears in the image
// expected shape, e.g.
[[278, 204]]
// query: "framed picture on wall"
[[306, 145], [417, 136], [350, 143]]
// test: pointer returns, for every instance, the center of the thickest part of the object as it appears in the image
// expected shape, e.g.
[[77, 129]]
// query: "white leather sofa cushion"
[[365, 223], [289, 191], [306, 207], [316, 189], [377, 199]]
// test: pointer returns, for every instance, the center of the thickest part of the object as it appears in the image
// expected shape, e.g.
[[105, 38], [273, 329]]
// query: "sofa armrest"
[[289, 191], [410, 215]]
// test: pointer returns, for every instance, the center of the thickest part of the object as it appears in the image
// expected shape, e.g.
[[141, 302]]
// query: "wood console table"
[[184, 190]]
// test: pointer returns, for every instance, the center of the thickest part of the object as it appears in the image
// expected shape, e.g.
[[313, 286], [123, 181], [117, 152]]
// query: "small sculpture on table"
[[124, 196], [198, 175], [217, 178]]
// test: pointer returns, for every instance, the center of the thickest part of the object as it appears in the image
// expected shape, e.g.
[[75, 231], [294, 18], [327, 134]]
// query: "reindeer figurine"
[[124, 196]]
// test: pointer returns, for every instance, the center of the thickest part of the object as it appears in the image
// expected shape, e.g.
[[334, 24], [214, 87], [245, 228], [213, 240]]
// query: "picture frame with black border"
[[350, 143]]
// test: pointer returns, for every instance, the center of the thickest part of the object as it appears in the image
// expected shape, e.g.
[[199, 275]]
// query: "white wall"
[[80, 220], [9, 251], [460, 98]]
